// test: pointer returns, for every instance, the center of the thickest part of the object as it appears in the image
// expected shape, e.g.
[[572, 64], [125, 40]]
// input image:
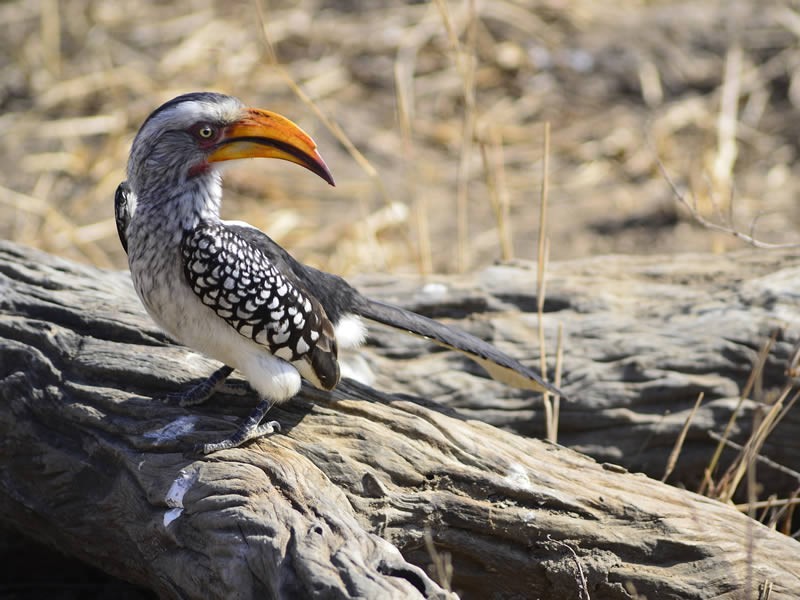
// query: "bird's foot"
[[241, 437], [250, 429], [197, 394]]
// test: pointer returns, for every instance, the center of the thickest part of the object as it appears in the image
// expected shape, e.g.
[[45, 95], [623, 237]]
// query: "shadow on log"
[[338, 504]]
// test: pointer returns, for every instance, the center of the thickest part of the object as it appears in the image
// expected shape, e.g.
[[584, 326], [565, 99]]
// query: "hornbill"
[[226, 289]]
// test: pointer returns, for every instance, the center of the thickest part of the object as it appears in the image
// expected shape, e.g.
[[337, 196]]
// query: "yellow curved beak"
[[265, 134]]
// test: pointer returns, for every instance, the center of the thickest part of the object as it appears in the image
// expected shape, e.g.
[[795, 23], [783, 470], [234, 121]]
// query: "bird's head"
[[187, 137]]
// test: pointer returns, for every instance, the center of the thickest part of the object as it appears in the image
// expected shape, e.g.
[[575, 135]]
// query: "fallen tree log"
[[92, 465], [643, 336]]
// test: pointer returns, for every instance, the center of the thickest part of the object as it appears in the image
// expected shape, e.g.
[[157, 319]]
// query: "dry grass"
[[580, 577], [724, 481], [542, 255], [441, 566], [681, 439], [443, 102]]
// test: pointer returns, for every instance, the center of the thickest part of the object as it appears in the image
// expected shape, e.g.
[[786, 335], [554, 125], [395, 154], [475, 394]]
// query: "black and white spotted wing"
[[244, 287]]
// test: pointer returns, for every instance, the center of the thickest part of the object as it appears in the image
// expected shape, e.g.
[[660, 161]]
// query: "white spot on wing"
[[279, 338]]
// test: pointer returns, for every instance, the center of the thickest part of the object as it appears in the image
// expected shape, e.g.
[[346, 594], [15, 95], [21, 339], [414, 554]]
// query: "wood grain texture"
[[643, 336], [337, 505]]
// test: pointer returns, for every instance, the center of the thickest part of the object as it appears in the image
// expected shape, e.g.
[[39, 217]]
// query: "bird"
[[226, 289]]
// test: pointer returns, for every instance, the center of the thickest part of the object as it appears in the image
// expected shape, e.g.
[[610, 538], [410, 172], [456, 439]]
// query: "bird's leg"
[[250, 429], [197, 394]]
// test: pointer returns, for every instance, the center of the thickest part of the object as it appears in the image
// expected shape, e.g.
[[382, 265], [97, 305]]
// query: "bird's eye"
[[206, 132]]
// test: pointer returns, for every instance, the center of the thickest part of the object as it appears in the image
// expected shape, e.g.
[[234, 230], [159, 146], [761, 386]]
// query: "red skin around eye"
[[199, 168]]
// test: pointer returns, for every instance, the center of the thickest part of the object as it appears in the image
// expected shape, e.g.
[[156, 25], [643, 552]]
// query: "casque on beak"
[[264, 134]]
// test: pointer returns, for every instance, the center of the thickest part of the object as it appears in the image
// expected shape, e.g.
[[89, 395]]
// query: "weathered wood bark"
[[643, 336], [92, 465]]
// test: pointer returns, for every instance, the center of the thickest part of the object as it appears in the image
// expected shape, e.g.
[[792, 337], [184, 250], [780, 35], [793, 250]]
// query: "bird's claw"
[[241, 436]]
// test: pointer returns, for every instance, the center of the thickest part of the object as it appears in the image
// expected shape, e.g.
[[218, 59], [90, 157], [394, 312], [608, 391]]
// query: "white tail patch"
[[350, 332]]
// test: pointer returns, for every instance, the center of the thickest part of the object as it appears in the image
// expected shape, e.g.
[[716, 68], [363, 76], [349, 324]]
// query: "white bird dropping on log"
[[174, 497], [173, 430]]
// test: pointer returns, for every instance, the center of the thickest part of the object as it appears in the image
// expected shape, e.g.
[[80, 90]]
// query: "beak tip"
[[325, 172]]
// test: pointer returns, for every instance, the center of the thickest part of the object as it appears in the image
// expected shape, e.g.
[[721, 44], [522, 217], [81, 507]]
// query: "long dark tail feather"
[[499, 365]]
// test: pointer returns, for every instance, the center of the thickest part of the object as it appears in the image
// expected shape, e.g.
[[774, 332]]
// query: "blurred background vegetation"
[[445, 103]]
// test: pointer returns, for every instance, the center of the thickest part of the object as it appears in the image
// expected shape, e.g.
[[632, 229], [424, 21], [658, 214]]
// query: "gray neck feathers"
[[183, 206]]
